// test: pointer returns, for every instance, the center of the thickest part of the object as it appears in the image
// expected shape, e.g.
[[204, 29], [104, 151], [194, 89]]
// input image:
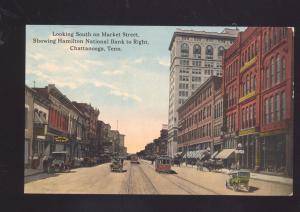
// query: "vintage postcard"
[[166, 110]]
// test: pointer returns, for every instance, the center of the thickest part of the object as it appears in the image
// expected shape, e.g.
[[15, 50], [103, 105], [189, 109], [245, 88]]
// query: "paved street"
[[142, 179]]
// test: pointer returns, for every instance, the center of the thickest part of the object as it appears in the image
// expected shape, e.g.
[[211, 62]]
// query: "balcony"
[[249, 95], [248, 64]]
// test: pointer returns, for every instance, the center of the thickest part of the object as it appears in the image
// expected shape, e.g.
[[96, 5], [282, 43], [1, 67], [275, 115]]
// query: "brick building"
[[197, 120], [257, 88]]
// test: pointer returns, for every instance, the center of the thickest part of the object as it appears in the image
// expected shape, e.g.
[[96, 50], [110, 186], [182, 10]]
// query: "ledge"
[[248, 64], [249, 95]]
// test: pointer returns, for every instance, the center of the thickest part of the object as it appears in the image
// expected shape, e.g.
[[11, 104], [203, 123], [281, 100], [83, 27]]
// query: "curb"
[[37, 173]]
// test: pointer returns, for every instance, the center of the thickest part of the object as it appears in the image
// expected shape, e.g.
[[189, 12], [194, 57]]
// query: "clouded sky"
[[129, 86]]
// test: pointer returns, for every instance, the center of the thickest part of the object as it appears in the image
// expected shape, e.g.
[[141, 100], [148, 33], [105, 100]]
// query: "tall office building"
[[195, 56]]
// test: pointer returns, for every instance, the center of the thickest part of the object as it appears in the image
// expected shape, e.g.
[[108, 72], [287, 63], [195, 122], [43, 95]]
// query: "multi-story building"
[[198, 118], [195, 56], [29, 101], [257, 88]]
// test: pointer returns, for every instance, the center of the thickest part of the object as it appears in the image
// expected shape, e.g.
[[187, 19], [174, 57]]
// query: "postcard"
[[164, 110]]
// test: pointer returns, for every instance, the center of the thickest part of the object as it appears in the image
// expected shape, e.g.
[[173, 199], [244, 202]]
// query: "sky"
[[130, 87]]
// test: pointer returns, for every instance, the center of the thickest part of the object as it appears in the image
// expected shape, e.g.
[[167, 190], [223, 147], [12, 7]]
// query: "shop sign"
[[239, 151], [61, 139], [272, 133], [247, 131]]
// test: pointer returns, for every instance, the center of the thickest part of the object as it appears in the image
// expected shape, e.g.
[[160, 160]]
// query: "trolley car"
[[163, 164]]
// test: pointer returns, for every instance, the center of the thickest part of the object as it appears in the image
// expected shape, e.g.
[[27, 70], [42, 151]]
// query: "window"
[[247, 117], [269, 40], [272, 81], [282, 68], [197, 51], [26, 117], [265, 42], [276, 116], [266, 112], [283, 106], [209, 52], [271, 116], [221, 51], [267, 78], [254, 82], [254, 114], [274, 36], [184, 50], [277, 78], [251, 116]]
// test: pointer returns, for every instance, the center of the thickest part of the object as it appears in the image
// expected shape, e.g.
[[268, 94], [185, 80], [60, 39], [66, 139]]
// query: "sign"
[[239, 151], [61, 139]]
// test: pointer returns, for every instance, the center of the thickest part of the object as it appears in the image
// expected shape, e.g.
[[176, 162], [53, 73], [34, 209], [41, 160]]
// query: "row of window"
[[231, 122], [232, 71], [183, 78], [274, 73], [217, 130], [248, 116], [183, 86], [248, 83], [200, 132], [196, 79], [272, 36], [191, 38], [183, 93], [249, 53], [184, 50], [232, 96], [58, 120], [218, 109], [275, 108], [198, 117]]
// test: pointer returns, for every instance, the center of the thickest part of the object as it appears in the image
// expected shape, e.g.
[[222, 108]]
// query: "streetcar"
[[163, 164], [134, 159]]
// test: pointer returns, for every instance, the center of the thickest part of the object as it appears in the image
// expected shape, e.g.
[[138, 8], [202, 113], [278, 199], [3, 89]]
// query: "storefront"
[[273, 152]]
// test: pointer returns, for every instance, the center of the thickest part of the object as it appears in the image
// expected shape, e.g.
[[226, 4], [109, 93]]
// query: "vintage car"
[[163, 164], [60, 162], [238, 180], [134, 159], [116, 165]]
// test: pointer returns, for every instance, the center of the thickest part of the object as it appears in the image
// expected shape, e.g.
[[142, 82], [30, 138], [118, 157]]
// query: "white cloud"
[[164, 62], [37, 56], [126, 95], [112, 72], [94, 62]]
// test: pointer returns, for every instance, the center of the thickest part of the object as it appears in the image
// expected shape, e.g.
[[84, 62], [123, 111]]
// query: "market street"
[[143, 179]]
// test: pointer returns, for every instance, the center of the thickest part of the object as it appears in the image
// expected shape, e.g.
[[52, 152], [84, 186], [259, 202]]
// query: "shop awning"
[[196, 154], [214, 154], [225, 153]]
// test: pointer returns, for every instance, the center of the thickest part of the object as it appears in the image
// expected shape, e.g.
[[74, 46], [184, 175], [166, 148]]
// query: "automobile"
[[134, 159], [78, 162], [60, 162], [116, 165], [238, 180]]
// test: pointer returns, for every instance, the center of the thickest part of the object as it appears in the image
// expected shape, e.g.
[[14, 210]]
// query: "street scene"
[[199, 111], [143, 179]]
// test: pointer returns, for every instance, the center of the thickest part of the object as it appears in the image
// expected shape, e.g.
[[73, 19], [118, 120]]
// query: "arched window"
[[265, 42], [197, 51], [184, 50], [221, 51], [277, 79], [272, 73], [282, 68], [209, 52]]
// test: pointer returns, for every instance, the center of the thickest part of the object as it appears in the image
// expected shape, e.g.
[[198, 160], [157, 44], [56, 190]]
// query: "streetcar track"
[[183, 179], [129, 181], [148, 180]]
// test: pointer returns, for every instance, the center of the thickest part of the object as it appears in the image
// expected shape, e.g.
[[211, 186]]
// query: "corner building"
[[195, 56], [257, 78]]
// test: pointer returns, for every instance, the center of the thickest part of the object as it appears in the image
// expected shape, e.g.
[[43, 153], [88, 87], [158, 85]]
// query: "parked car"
[[116, 165], [238, 180], [60, 162]]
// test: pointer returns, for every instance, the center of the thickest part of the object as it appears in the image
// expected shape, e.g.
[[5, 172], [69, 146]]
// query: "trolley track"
[[181, 186]]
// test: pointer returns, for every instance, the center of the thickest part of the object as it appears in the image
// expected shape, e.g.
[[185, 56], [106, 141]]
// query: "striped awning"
[[225, 153]]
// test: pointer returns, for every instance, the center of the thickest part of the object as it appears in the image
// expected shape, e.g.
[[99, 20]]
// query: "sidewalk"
[[30, 172], [257, 176]]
